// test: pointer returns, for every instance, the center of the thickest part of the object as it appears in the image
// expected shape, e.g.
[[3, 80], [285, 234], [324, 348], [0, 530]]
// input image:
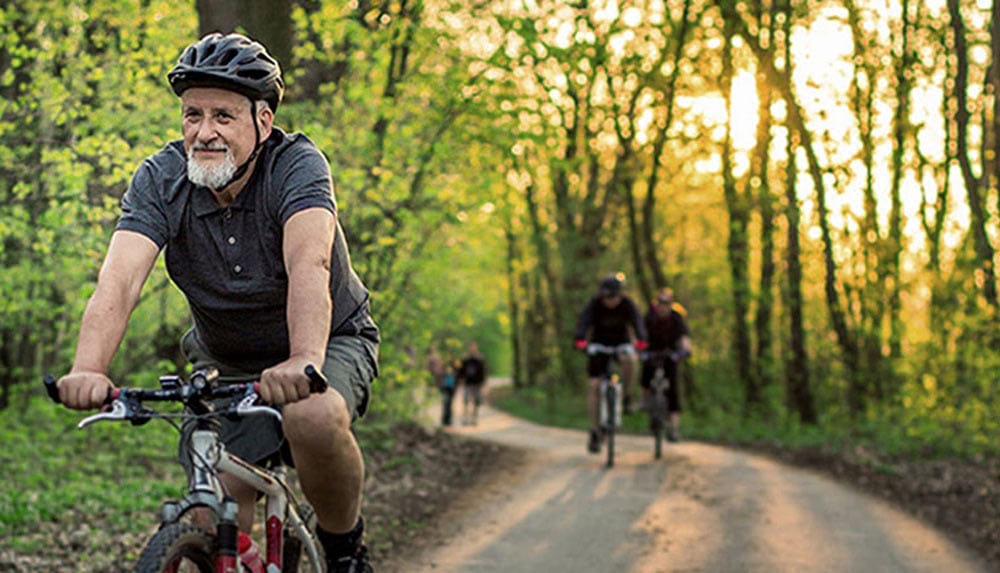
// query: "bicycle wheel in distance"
[[612, 397], [656, 422], [178, 548]]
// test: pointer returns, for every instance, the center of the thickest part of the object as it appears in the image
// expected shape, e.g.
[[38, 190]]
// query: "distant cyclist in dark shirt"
[[608, 318], [473, 375], [669, 341]]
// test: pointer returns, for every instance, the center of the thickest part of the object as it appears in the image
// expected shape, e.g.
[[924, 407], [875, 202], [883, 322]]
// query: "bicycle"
[[610, 407], [180, 546], [658, 387]]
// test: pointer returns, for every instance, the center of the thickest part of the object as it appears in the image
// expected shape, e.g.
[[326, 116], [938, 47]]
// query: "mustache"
[[207, 147]]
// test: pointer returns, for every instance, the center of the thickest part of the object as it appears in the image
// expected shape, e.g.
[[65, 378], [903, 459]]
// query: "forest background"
[[816, 180]]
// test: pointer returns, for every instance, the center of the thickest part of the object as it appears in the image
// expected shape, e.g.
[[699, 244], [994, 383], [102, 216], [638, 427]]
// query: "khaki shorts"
[[350, 368]]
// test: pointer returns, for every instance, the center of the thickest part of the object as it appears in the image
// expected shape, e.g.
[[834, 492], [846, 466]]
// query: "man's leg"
[[593, 407], [628, 362], [329, 463], [477, 400]]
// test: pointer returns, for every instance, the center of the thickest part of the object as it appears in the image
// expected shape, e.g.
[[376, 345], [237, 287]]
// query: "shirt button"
[[231, 240], [237, 269], [228, 214]]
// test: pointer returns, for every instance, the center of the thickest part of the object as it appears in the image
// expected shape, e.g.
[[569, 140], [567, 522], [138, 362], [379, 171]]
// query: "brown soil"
[[411, 485], [959, 497]]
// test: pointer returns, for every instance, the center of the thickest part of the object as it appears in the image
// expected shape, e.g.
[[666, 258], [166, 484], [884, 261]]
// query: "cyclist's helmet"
[[612, 285], [232, 62]]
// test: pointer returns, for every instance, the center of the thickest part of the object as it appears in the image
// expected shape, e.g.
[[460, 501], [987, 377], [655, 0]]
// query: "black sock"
[[337, 545]]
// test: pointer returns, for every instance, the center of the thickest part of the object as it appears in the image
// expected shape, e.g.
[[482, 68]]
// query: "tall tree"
[[738, 206], [975, 186]]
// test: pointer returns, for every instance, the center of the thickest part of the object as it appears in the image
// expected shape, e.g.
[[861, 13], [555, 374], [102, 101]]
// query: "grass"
[[881, 433], [115, 473]]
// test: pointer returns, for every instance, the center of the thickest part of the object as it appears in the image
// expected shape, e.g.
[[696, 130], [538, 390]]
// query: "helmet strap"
[[242, 169]]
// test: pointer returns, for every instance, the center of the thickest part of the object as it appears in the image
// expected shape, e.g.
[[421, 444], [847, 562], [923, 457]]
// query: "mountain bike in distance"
[[180, 546], [610, 405], [659, 415]]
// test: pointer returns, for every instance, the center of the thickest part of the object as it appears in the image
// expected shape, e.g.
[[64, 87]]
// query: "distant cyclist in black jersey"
[[607, 320]]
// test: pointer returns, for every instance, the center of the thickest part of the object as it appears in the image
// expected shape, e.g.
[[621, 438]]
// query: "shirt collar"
[[204, 204]]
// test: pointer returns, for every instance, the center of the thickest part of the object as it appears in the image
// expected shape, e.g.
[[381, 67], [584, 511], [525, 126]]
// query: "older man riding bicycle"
[[247, 218]]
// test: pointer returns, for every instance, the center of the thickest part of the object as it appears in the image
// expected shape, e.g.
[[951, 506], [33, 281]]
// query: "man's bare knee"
[[316, 418]]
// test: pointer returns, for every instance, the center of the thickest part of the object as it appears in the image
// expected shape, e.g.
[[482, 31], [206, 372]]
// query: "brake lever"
[[119, 411], [248, 406]]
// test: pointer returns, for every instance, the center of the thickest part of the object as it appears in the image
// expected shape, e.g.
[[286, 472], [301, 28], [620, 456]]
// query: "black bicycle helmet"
[[232, 62], [612, 285]]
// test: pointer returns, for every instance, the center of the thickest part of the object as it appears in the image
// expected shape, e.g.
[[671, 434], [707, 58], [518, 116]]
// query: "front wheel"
[[611, 404], [178, 548]]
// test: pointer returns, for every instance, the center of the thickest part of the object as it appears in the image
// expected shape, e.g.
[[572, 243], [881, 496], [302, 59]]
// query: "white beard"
[[212, 177]]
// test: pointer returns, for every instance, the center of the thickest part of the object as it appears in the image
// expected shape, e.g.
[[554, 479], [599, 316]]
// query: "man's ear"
[[266, 118]]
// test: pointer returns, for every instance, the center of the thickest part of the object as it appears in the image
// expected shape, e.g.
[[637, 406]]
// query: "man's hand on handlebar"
[[287, 382], [84, 390]]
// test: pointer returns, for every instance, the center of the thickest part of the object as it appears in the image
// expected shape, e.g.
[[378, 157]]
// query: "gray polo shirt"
[[228, 261]]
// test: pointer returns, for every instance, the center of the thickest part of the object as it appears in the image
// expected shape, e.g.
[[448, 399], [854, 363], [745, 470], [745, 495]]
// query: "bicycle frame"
[[209, 457]]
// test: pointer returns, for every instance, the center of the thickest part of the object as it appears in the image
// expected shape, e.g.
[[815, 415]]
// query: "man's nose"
[[206, 131]]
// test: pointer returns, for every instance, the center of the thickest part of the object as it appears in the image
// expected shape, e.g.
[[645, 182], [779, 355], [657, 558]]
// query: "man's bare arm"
[[129, 259], [307, 247]]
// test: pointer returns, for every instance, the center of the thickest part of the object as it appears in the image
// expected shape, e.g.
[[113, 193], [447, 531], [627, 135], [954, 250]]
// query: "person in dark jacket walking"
[[473, 375]]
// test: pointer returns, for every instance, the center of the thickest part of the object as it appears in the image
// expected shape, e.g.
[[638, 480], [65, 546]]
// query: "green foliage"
[[114, 474]]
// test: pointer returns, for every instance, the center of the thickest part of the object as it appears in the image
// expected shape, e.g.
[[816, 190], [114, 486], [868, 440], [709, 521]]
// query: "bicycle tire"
[[612, 396], [176, 542], [657, 419], [657, 427]]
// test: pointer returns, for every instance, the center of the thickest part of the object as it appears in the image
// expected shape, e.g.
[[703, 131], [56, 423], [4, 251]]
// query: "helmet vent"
[[254, 74], [228, 56]]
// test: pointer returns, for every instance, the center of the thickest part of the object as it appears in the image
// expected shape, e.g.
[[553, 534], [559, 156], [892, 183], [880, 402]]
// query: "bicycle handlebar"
[[675, 355], [597, 348], [126, 403]]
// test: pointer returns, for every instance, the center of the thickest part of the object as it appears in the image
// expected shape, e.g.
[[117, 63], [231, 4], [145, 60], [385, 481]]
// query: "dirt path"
[[701, 508]]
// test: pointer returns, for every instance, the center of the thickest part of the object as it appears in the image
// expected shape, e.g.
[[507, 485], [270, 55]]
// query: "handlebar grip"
[[317, 382], [52, 388]]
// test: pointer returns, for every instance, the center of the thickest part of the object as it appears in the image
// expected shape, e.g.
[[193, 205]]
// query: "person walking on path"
[[443, 376], [473, 375]]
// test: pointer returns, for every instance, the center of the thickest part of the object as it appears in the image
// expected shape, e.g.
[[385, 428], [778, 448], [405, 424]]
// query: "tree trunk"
[[555, 309], [513, 305], [221, 16], [797, 369], [974, 186], [765, 297], [270, 23], [653, 261], [635, 244], [736, 204]]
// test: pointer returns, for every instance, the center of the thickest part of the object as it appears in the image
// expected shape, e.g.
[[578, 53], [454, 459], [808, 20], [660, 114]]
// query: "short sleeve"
[[142, 207], [303, 177]]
